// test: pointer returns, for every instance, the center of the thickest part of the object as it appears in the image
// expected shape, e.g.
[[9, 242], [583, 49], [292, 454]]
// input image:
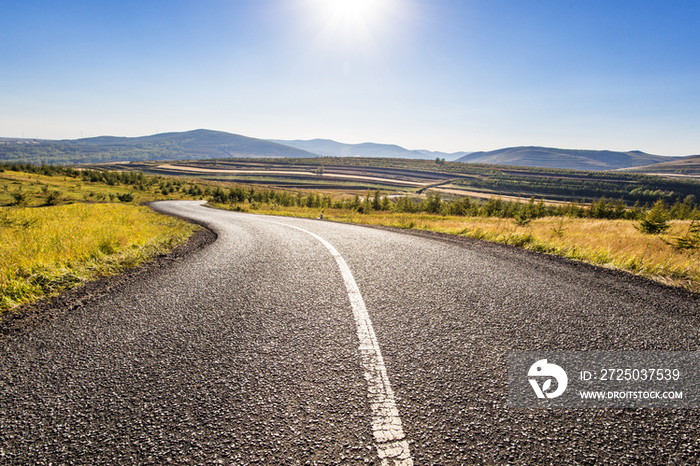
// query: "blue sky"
[[439, 75]]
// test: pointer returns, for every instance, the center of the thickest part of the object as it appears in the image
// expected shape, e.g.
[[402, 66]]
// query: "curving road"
[[262, 348]]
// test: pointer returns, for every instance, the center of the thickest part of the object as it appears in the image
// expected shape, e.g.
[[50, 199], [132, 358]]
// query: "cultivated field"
[[453, 179]]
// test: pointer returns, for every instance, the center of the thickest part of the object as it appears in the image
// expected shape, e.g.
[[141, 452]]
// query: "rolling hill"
[[207, 144], [688, 166], [197, 144], [594, 160]]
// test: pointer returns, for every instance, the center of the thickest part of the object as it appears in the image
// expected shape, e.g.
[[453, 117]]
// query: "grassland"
[[48, 249], [56, 232], [35, 189], [614, 244]]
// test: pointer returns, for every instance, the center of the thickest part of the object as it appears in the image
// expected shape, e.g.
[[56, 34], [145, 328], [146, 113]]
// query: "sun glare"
[[362, 26], [353, 14], [352, 9]]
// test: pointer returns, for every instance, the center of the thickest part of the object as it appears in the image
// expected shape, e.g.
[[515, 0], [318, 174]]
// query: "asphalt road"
[[254, 350]]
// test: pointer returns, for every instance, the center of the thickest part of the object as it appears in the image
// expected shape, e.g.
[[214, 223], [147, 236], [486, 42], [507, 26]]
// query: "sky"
[[439, 75]]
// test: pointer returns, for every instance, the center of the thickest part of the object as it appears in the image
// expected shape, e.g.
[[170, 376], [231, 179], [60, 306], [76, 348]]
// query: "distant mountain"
[[197, 144], [207, 144], [594, 160], [685, 166], [330, 148], [203, 143]]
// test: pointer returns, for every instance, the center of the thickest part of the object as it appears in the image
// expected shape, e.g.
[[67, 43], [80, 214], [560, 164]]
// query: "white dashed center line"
[[392, 446]]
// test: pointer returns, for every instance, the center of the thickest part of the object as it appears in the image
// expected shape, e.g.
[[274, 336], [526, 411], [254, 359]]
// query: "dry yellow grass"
[[609, 243], [45, 250]]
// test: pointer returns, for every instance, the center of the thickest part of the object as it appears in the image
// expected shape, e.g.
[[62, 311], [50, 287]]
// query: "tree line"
[[433, 203], [680, 207]]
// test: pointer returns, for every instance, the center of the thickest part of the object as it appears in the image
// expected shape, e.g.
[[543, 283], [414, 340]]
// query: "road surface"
[[293, 341]]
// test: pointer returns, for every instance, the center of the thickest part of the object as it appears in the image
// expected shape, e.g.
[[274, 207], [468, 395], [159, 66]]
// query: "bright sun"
[[353, 9], [358, 24], [353, 13]]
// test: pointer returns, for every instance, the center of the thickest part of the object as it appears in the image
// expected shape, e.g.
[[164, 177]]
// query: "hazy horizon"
[[443, 75], [282, 141]]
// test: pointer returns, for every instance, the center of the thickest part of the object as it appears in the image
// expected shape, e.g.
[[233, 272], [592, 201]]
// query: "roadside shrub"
[[220, 196], [432, 204], [405, 204], [522, 219], [126, 197], [655, 221], [52, 197], [19, 197], [691, 240]]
